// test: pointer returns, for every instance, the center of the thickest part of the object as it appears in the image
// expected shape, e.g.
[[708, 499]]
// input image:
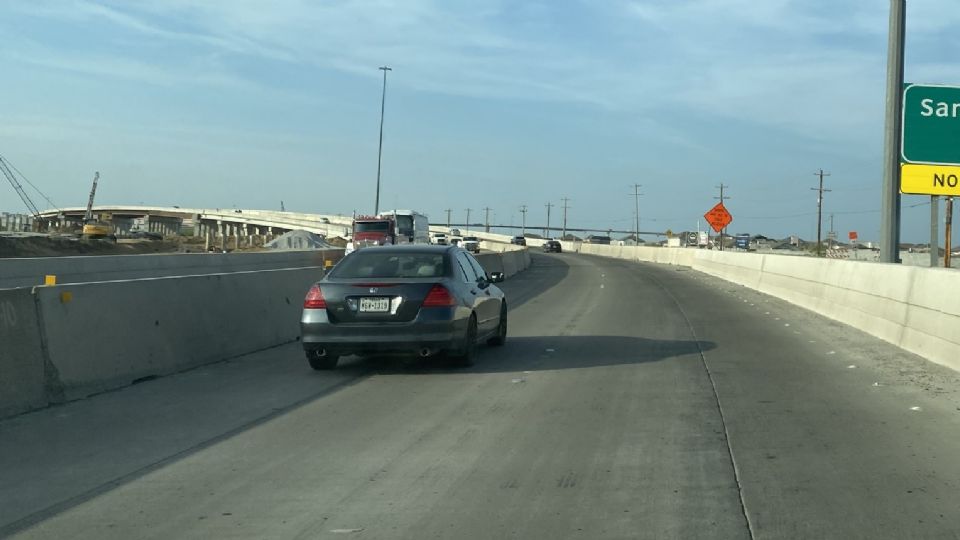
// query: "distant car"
[[552, 246], [439, 239], [471, 243], [454, 232], [518, 240], [412, 299]]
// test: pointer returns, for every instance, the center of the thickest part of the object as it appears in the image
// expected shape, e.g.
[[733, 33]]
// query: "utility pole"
[[832, 235], [383, 103], [636, 203], [486, 220], [546, 231], [565, 208], [890, 199], [523, 226], [468, 219], [448, 210], [722, 198], [821, 174]]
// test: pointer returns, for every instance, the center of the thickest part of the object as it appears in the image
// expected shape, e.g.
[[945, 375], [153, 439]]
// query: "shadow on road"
[[543, 353]]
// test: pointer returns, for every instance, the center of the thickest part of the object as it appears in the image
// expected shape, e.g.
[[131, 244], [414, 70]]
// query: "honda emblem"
[[373, 290]]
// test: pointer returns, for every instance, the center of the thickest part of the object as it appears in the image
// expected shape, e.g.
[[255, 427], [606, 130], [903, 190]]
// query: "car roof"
[[410, 248]]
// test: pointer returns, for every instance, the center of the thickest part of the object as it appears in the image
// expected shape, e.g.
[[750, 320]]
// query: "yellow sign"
[[930, 179]]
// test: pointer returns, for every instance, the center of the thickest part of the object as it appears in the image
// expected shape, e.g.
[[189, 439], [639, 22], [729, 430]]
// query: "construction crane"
[[94, 228], [5, 167]]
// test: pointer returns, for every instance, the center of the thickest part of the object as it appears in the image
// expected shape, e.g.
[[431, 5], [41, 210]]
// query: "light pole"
[[890, 196], [383, 102]]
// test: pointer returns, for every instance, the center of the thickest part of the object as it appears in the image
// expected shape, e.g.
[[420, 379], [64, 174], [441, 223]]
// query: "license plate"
[[375, 305]]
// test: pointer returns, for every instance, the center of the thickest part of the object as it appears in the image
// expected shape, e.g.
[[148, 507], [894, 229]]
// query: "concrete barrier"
[[107, 335], [28, 272], [69, 341], [915, 308], [22, 373], [509, 262]]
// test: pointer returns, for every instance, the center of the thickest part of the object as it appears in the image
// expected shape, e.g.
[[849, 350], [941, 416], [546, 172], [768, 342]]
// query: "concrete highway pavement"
[[631, 401]]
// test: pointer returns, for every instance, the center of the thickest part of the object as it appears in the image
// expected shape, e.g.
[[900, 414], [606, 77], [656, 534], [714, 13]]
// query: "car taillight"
[[314, 299], [439, 296]]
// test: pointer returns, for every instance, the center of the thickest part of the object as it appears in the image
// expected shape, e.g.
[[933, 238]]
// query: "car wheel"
[[468, 351], [501, 338], [322, 363]]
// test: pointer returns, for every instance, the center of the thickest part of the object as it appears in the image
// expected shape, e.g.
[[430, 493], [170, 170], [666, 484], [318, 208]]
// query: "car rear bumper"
[[437, 330]]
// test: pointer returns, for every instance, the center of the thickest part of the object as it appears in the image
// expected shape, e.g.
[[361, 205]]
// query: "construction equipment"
[[94, 228], [6, 167]]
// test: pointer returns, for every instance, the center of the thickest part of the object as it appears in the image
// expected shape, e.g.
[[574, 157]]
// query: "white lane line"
[[851, 366], [915, 409], [786, 324], [345, 531], [831, 352]]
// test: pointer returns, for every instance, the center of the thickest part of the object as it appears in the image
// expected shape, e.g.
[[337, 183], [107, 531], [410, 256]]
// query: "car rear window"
[[370, 263]]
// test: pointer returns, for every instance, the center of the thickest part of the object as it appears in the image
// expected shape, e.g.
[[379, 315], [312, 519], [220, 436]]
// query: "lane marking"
[[832, 352], [851, 366], [915, 409]]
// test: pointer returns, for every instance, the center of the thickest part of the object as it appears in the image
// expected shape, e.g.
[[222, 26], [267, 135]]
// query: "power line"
[[486, 222], [636, 203], [565, 208], [523, 226]]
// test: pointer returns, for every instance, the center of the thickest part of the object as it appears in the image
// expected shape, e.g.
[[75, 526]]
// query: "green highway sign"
[[931, 125]]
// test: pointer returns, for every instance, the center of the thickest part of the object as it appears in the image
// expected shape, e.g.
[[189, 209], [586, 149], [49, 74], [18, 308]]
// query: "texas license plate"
[[375, 305]]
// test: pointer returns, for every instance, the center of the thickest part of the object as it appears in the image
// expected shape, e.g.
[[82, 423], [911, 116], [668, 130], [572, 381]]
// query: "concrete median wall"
[[22, 374], [915, 308], [70, 341], [107, 335], [509, 262], [28, 272]]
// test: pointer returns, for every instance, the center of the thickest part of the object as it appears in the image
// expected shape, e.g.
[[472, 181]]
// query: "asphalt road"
[[631, 401]]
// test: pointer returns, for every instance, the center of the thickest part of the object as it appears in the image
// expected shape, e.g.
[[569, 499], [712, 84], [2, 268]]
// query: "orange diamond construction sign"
[[718, 217]]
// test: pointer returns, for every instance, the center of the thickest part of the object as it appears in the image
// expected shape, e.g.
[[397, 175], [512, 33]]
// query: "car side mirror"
[[496, 277]]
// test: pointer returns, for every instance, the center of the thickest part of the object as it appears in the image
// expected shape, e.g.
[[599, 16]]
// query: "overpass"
[[212, 222]]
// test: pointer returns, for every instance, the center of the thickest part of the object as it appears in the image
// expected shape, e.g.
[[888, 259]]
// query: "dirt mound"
[[63, 246]]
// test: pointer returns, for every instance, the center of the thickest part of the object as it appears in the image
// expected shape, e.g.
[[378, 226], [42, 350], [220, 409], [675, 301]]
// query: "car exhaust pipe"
[[321, 353], [425, 352]]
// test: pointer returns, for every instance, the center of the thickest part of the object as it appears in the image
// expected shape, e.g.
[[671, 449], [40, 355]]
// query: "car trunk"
[[375, 301]]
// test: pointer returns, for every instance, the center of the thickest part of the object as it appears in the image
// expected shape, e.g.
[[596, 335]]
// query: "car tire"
[[467, 355], [322, 363], [501, 338]]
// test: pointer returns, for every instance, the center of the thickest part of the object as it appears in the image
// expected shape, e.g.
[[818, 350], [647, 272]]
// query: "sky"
[[494, 104]]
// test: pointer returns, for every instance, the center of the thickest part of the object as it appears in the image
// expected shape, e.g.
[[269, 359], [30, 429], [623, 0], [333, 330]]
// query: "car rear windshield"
[[371, 226], [372, 263], [470, 239]]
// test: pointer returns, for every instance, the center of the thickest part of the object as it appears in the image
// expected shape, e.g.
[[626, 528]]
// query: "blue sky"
[[490, 104]]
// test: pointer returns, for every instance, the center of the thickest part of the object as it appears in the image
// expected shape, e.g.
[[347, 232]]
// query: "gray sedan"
[[409, 299]]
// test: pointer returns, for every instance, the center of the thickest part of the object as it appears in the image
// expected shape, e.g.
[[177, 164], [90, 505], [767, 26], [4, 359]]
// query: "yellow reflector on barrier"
[[49, 279]]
